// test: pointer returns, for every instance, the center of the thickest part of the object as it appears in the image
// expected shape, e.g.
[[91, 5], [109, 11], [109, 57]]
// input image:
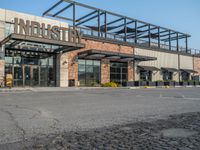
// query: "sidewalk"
[[57, 89], [52, 89]]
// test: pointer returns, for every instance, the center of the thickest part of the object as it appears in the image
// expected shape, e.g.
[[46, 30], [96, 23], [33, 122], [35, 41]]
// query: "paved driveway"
[[24, 114]]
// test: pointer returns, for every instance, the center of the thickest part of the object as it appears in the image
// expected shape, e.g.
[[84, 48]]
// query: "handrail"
[[141, 42]]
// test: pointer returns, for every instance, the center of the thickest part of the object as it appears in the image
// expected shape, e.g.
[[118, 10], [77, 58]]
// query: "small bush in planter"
[[190, 82], [110, 84], [196, 83]]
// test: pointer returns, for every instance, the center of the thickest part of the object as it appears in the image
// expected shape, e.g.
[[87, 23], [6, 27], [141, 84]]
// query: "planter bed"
[[184, 83], [169, 83], [150, 83], [140, 83]]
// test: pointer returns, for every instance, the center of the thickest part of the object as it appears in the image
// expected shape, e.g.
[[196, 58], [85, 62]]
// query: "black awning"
[[170, 69], [188, 70], [150, 68], [30, 43], [102, 54]]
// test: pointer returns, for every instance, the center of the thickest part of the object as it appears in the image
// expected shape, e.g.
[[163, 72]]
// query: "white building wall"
[[164, 59]]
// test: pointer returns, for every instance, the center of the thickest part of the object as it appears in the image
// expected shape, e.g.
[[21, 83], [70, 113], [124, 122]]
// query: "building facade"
[[39, 51]]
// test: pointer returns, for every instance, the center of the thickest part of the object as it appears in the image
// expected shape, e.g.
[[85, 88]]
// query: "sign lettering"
[[35, 29]]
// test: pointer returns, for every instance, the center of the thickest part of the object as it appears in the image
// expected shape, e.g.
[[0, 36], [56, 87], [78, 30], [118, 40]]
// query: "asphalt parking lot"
[[36, 113]]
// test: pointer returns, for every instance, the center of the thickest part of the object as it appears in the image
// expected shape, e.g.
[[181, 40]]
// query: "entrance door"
[[119, 73], [31, 75]]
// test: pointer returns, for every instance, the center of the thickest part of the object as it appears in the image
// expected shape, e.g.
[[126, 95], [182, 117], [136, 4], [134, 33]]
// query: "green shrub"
[[159, 81], [110, 84]]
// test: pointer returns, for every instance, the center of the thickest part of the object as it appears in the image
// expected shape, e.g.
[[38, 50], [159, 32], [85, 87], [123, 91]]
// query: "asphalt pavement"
[[34, 113]]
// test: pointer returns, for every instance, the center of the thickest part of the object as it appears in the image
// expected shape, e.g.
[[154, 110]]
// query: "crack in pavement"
[[16, 124], [38, 112]]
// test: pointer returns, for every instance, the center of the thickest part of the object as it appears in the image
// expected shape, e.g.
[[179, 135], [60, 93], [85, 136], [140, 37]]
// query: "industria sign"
[[47, 31]]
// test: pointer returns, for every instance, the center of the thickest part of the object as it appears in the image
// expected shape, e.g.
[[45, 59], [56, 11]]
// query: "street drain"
[[177, 132]]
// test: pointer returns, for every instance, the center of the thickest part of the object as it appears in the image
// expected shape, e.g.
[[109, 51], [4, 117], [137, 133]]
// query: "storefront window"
[[167, 75], [89, 72], [9, 28], [29, 70], [185, 76], [119, 73], [146, 75]]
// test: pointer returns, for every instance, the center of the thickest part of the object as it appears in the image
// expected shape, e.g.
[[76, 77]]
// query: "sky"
[[180, 15]]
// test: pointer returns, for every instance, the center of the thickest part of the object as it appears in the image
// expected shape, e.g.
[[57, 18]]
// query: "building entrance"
[[31, 75], [119, 73], [31, 71]]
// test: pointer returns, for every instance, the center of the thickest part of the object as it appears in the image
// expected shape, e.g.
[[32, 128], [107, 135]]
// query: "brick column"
[[2, 71], [105, 71], [197, 65], [131, 71]]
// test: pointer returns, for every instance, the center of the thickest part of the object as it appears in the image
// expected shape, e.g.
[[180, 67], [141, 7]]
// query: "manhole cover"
[[177, 132]]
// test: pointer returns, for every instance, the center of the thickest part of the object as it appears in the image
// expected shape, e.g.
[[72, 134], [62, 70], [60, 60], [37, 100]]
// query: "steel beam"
[[111, 13], [169, 40], [173, 38], [60, 17], [74, 16], [136, 32], [58, 3], [143, 26], [68, 6], [99, 25], [177, 42], [125, 26], [105, 24], [88, 19], [158, 37], [186, 44], [113, 22], [78, 20], [149, 32]]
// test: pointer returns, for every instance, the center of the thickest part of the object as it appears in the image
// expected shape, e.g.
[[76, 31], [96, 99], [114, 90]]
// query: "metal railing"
[[144, 43]]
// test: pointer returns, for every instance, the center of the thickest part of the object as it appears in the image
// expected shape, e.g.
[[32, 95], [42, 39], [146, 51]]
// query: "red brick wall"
[[105, 72], [197, 65], [131, 71]]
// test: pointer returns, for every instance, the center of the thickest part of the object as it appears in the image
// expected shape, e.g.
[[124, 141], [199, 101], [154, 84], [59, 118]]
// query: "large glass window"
[[89, 72], [167, 75], [119, 73], [185, 76], [30, 71], [146, 75]]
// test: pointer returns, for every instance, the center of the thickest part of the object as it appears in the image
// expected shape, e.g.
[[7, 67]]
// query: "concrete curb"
[[51, 89]]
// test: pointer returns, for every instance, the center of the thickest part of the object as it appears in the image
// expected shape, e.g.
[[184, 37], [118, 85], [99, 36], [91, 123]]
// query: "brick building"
[[40, 51]]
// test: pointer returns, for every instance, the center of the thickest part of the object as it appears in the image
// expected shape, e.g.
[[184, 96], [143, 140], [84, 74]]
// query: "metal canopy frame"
[[99, 54], [188, 70], [28, 43], [150, 68], [141, 32], [170, 69]]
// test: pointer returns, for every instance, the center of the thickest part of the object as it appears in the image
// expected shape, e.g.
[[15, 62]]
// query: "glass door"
[[31, 75], [119, 73], [27, 75], [17, 76], [35, 75]]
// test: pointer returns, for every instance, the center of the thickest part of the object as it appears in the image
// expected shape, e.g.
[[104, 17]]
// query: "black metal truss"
[[124, 26]]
